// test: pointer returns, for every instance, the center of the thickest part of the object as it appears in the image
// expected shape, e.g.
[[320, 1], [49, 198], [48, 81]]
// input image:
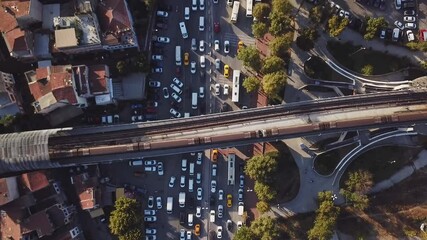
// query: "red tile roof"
[[8, 21], [10, 222], [86, 188], [40, 222], [18, 8], [4, 192], [35, 180], [97, 78], [113, 16], [16, 40]]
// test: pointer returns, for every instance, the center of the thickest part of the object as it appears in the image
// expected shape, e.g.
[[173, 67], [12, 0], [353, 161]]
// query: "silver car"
[[175, 113], [177, 82], [177, 98]]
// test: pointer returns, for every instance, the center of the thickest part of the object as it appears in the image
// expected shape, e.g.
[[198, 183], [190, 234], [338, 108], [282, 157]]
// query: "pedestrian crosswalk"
[[234, 39]]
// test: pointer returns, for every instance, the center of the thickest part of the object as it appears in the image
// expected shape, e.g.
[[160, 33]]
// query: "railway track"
[[123, 136]]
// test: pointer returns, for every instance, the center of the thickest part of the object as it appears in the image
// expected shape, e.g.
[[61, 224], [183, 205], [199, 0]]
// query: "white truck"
[[181, 199], [169, 205]]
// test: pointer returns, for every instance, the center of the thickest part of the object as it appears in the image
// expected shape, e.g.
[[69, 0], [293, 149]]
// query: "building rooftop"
[[86, 188], [97, 79], [16, 40], [65, 38], [35, 180]]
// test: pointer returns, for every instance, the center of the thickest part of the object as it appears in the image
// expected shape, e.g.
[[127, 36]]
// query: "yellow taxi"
[[240, 46], [226, 71], [214, 157], [186, 58], [229, 200], [197, 230]]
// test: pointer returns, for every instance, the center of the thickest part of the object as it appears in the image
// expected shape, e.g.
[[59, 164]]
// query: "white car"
[[177, 82], [217, 88], [198, 211], [217, 64], [163, 40], [226, 89], [182, 234], [226, 46], [182, 182], [216, 45], [151, 231], [160, 168], [193, 44], [157, 57], [213, 186], [157, 70], [177, 98], [150, 202], [187, 13], [199, 193], [199, 158], [409, 19], [189, 235], [172, 181], [175, 113], [162, 14], [215, 1], [410, 35], [198, 178], [219, 232], [410, 25], [220, 211], [239, 225], [220, 195], [150, 219], [159, 202], [149, 212], [202, 46], [399, 25], [201, 5], [341, 13], [150, 162], [193, 67], [165, 92]]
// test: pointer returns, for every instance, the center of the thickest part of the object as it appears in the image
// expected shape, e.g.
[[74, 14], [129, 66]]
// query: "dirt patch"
[[296, 227]]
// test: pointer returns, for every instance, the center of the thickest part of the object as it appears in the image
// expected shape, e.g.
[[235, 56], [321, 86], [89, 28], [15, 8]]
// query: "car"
[[214, 170], [239, 224], [409, 12], [216, 45], [165, 92], [217, 27], [202, 46], [213, 186], [182, 234], [149, 212], [226, 89], [172, 181], [150, 162], [346, 15], [217, 89], [157, 57], [157, 70], [230, 3], [409, 19], [186, 59], [220, 211], [219, 232], [220, 195], [193, 67], [240, 46], [399, 25], [410, 35], [150, 169], [226, 46], [214, 157], [159, 202], [199, 193], [163, 40], [226, 70], [152, 104], [160, 168], [217, 64], [382, 34], [150, 219], [242, 181], [150, 231], [215, 1], [198, 211], [177, 82], [341, 13], [197, 229], [199, 158], [198, 178], [193, 44], [175, 113], [162, 14], [182, 182], [177, 98], [240, 195], [410, 25], [188, 235], [229, 225], [154, 84]]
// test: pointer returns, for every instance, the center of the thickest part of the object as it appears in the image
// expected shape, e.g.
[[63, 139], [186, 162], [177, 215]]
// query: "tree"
[[259, 29], [262, 207], [421, 46], [244, 233], [264, 192], [423, 65], [273, 83], [251, 84], [265, 228], [261, 167], [280, 45], [273, 64], [356, 187], [279, 24], [316, 14], [337, 25], [307, 37], [326, 217], [133, 234], [261, 11], [373, 26], [126, 217], [250, 57], [368, 69], [122, 67], [281, 6]]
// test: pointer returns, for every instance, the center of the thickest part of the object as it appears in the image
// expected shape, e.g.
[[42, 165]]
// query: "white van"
[[194, 101], [395, 35], [176, 88], [191, 169], [190, 185], [178, 55], [190, 219], [135, 163], [184, 165], [187, 13], [202, 61], [194, 5], [183, 30], [202, 23]]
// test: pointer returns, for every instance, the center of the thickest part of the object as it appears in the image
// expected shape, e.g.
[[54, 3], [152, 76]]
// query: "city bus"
[[249, 5], [231, 168], [236, 86], [235, 12]]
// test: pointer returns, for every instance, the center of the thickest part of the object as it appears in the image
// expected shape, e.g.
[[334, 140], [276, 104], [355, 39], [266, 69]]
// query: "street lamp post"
[[360, 49]]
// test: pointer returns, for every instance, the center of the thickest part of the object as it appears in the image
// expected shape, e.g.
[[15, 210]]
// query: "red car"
[[217, 27], [150, 110]]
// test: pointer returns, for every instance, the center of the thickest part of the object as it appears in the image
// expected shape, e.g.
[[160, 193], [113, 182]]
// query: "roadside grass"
[[352, 57]]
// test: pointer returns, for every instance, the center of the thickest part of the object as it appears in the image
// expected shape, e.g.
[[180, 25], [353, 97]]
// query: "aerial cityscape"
[[213, 119]]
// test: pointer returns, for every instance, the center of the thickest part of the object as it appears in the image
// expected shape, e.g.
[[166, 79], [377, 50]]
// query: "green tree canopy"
[[358, 184], [265, 228], [133, 234], [337, 25], [307, 37], [250, 57], [264, 192], [122, 67], [251, 84], [273, 64], [279, 24], [273, 83], [261, 168], [280, 45], [126, 217], [316, 14], [281, 6], [261, 11], [262, 207], [368, 69], [326, 217], [373, 26], [244, 233], [259, 29]]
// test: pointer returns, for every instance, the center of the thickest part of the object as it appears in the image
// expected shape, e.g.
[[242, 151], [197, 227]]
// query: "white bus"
[[236, 86], [235, 12], [231, 168], [249, 5]]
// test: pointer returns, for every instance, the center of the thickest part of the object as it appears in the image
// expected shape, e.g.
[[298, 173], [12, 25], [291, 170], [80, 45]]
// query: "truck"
[[169, 205], [181, 199]]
